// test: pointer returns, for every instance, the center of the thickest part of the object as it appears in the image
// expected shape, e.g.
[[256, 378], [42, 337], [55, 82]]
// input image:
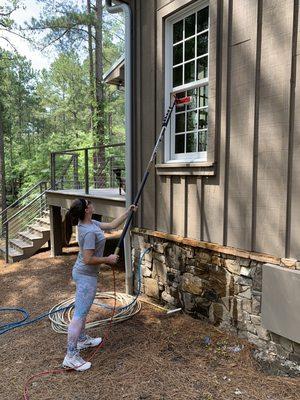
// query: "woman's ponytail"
[[68, 226], [73, 215]]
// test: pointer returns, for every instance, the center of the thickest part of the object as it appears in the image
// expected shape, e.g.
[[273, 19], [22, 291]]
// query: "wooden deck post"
[[56, 238]]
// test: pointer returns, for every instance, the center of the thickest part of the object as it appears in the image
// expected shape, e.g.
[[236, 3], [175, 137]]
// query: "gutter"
[[117, 8]]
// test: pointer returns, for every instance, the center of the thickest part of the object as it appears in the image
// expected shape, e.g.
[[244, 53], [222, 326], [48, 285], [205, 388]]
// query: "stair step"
[[39, 228], [11, 252], [43, 220], [30, 236], [20, 243]]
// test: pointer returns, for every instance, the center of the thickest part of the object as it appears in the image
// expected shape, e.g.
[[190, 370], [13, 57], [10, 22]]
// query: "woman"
[[91, 242]]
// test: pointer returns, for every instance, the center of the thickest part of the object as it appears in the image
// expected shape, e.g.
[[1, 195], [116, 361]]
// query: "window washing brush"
[[183, 101]]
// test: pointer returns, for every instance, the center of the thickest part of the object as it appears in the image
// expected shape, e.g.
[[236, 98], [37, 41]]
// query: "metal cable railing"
[[93, 167], [34, 192], [24, 217], [26, 198], [87, 168]]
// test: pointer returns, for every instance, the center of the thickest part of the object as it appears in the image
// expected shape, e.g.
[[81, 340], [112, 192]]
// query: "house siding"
[[251, 201]]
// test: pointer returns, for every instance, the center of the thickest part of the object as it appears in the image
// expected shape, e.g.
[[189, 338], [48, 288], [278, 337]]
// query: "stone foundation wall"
[[221, 287]]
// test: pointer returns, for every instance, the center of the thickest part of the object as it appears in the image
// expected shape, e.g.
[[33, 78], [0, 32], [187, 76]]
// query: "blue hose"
[[21, 310], [24, 322], [13, 325]]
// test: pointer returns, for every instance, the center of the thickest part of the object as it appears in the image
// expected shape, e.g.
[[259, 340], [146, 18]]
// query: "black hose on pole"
[[165, 123]]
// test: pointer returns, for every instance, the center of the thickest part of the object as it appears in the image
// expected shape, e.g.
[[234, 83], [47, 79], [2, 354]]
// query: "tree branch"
[[83, 30], [9, 42], [17, 34], [119, 37], [41, 28], [57, 38], [2, 14]]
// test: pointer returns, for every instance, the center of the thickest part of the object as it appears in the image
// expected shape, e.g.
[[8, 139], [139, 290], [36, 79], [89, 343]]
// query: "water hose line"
[[61, 314]]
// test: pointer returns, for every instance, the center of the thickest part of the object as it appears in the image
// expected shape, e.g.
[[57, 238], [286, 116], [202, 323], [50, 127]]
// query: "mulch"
[[151, 356]]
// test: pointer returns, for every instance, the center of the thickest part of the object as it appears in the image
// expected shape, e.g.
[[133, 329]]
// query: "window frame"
[[170, 155]]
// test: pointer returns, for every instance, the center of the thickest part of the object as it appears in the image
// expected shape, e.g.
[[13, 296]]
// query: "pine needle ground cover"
[[149, 357]]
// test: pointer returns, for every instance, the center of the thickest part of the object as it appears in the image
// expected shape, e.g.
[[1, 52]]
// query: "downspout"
[[116, 8]]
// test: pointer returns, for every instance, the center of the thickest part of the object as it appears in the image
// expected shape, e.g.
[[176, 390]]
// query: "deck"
[[107, 202]]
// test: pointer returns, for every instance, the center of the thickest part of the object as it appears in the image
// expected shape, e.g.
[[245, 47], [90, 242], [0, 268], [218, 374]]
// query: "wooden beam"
[[260, 257], [56, 239]]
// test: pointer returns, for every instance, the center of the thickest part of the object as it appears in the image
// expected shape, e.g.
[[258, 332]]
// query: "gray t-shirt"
[[90, 237]]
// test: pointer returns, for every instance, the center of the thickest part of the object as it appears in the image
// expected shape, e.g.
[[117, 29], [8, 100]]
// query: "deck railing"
[[21, 202], [22, 218], [89, 167]]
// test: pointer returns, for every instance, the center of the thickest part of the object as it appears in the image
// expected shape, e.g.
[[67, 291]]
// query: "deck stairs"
[[25, 229], [29, 241]]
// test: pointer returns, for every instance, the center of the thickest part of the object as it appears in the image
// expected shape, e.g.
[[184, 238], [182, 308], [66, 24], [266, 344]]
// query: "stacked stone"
[[225, 289]]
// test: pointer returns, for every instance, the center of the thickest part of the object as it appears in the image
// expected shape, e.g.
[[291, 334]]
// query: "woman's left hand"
[[133, 208]]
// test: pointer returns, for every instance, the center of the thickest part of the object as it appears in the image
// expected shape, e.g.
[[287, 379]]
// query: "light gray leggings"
[[86, 287]]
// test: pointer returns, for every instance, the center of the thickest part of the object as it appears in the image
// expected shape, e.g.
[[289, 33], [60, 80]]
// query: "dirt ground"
[[148, 357]]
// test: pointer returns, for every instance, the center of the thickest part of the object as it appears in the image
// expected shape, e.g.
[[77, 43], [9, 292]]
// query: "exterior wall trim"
[[163, 13], [260, 257], [186, 169], [170, 155]]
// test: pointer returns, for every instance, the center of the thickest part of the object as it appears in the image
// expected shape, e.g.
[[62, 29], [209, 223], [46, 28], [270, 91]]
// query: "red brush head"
[[182, 101]]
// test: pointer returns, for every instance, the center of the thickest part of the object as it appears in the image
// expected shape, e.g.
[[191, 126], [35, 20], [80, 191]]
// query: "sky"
[[27, 10], [39, 59]]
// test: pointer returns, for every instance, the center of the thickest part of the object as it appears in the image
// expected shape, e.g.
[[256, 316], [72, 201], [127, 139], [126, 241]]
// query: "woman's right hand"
[[112, 259]]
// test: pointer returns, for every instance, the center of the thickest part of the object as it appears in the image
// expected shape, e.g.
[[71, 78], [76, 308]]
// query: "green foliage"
[[6, 9], [50, 110], [64, 24]]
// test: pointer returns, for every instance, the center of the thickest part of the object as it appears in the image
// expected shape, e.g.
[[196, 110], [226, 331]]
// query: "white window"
[[186, 74]]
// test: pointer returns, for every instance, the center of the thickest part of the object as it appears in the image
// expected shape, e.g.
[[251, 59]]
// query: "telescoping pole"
[[181, 101]]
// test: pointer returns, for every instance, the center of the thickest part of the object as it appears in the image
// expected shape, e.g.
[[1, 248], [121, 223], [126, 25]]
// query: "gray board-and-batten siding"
[[251, 202]]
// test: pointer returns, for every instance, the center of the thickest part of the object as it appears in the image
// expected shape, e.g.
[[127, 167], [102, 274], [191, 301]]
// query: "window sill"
[[186, 169]]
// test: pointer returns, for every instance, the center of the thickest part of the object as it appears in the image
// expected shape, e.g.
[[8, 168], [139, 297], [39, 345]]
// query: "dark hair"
[[77, 210], [75, 213]]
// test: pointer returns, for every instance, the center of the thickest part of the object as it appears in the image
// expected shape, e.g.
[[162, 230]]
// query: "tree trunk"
[[91, 64], [99, 72], [2, 166], [11, 165], [99, 156], [110, 124]]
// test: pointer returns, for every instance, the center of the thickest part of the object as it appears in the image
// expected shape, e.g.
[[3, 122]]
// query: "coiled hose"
[[60, 318], [61, 314]]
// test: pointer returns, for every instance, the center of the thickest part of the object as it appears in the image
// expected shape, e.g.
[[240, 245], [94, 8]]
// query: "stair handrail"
[[27, 205], [22, 197], [5, 223], [89, 148]]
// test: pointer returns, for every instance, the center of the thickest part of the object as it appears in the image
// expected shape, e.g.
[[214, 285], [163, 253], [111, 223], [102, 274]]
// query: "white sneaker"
[[76, 362], [89, 342]]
